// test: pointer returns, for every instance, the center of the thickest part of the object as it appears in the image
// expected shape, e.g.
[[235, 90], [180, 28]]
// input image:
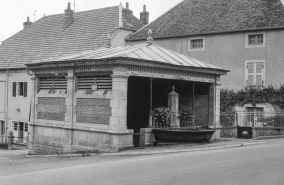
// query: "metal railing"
[[183, 122], [252, 119]]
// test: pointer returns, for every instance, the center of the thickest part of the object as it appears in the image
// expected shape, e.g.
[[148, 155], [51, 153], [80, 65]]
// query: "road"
[[260, 164]]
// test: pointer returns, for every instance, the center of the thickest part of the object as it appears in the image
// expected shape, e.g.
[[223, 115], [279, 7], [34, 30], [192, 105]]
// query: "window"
[[255, 73], [255, 40], [196, 44], [26, 127], [16, 126], [20, 89]]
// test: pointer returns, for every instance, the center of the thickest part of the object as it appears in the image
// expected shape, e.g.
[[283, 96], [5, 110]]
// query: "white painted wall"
[[2, 96], [14, 103]]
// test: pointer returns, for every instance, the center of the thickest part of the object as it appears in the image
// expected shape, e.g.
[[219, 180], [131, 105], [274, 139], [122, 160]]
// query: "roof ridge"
[[80, 11], [159, 16]]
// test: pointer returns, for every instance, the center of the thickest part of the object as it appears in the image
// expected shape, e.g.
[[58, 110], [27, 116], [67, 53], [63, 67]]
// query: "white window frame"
[[247, 45], [18, 89], [246, 71], [196, 49]]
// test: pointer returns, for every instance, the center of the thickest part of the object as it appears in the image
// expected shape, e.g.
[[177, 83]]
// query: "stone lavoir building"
[[95, 100]]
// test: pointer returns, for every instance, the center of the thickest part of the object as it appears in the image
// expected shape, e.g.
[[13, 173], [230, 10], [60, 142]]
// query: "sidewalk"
[[164, 148]]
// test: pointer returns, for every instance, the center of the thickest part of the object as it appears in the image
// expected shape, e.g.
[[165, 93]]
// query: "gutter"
[[128, 39], [32, 109], [113, 60]]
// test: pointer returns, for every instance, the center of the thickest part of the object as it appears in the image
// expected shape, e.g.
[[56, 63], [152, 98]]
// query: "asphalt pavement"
[[225, 162]]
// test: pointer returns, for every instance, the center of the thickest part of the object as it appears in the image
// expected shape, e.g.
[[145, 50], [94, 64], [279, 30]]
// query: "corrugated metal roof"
[[147, 51]]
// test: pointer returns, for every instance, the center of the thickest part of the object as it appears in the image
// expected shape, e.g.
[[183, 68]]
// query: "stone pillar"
[[70, 106], [118, 102], [173, 102], [215, 89], [33, 109]]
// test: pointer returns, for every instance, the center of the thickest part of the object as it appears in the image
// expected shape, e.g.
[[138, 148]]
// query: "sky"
[[13, 13]]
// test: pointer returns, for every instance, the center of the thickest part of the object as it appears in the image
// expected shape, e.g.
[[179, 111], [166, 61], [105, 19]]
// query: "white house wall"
[[17, 109]]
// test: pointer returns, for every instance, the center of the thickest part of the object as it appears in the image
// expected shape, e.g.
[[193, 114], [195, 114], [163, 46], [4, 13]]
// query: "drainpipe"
[[33, 96], [215, 83], [72, 116], [7, 103]]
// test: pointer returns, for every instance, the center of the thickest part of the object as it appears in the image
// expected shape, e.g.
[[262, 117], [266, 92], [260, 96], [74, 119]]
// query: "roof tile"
[[47, 37], [192, 17]]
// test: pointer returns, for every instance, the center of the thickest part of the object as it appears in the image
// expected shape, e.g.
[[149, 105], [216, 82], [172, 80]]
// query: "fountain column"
[[173, 102]]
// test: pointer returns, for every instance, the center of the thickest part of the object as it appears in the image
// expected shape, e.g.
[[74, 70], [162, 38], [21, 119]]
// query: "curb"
[[183, 150], [269, 137]]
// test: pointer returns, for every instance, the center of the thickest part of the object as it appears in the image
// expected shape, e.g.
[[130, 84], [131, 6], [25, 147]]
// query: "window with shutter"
[[20, 89], [95, 82], [25, 89], [14, 89], [254, 73], [250, 74]]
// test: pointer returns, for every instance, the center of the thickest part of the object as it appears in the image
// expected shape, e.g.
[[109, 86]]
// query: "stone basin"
[[183, 135]]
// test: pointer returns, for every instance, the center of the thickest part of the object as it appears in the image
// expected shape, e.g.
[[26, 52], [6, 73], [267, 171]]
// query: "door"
[[21, 132], [2, 131]]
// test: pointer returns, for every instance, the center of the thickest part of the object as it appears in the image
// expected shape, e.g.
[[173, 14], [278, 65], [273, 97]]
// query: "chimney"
[[144, 16], [127, 14], [28, 23], [68, 17]]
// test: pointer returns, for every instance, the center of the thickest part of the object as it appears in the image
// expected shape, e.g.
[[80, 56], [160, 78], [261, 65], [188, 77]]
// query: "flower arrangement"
[[162, 117], [185, 113]]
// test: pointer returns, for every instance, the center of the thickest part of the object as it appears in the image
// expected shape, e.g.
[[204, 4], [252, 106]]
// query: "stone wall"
[[228, 132], [51, 108], [61, 140], [266, 131], [91, 110]]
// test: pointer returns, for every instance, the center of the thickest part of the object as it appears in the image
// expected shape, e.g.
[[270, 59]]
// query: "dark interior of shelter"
[[138, 99]]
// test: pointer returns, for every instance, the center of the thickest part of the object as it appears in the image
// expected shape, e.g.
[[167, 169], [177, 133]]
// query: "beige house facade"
[[244, 40]]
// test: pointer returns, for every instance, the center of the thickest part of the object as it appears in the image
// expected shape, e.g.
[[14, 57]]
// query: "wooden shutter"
[[102, 82], [259, 69], [14, 92], [250, 74], [25, 89], [53, 83]]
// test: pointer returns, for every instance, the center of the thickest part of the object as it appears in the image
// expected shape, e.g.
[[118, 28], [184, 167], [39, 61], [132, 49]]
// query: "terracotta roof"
[[192, 17], [47, 37], [146, 52]]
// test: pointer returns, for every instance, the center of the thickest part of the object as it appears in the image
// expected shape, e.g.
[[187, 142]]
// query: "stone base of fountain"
[[183, 135]]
